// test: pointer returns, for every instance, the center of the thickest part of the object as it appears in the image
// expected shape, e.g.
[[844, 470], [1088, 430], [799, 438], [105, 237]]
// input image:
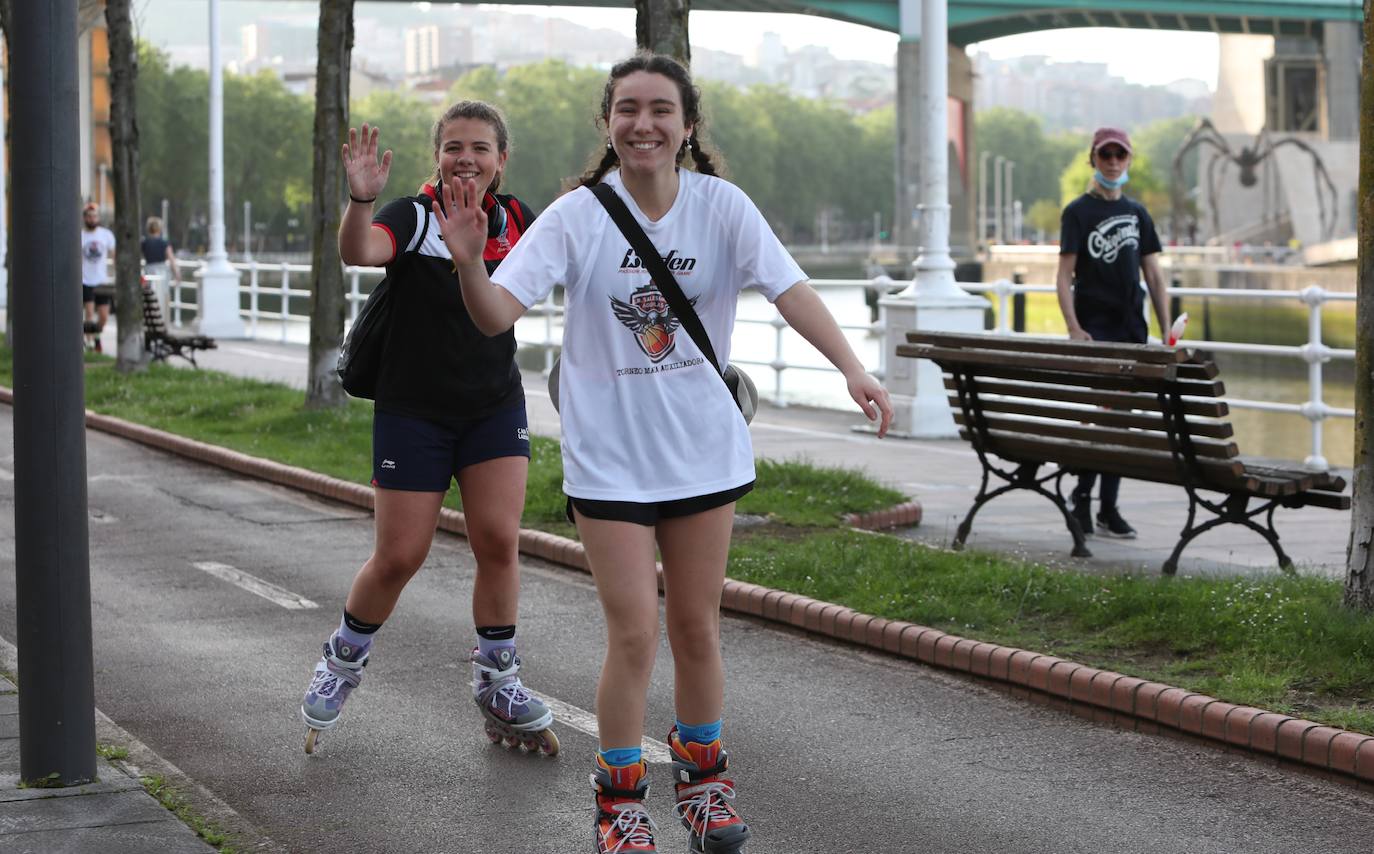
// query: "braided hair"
[[655, 63]]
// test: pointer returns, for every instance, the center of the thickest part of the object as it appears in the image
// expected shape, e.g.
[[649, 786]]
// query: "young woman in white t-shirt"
[[655, 450]]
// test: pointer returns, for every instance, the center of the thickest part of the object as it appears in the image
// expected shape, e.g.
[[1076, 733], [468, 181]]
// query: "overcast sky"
[[1139, 56]]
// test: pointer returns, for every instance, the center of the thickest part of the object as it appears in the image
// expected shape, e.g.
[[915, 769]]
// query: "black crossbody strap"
[[653, 262]]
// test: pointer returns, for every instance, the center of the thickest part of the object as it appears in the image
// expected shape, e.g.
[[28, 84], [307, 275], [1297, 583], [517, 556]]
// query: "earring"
[[608, 145]]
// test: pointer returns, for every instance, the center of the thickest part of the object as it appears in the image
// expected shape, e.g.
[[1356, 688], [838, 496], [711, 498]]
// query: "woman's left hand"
[[872, 398], [462, 222]]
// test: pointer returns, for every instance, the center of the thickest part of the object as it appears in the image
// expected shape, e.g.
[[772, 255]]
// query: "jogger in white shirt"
[[655, 452]]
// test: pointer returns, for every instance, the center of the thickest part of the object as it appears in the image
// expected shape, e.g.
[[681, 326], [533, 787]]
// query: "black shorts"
[[1129, 328], [648, 514], [95, 294], [418, 455]]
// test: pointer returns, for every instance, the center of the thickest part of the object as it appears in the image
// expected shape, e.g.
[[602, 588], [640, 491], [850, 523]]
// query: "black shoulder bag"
[[360, 357], [737, 381]]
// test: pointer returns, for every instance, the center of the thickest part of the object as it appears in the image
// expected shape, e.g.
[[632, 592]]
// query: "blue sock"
[[701, 734], [619, 757]]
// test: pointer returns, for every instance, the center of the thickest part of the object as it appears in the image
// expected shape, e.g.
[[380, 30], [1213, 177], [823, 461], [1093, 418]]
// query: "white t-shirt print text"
[[1105, 241]]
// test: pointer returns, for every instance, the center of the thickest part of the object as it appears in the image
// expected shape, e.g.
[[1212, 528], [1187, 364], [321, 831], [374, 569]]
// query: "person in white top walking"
[[97, 245], [655, 450]]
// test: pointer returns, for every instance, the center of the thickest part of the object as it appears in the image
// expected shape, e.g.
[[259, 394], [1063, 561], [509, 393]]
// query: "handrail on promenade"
[[1314, 353]]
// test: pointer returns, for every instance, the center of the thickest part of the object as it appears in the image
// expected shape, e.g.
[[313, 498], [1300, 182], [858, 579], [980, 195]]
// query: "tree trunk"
[[1359, 581], [661, 26], [124, 145], [327, 300]]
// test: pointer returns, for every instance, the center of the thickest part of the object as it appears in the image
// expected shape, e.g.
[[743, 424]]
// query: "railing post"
[[1315, 353], [285, 298], [253, 299], [778, 364], [548, 333], [1002, 288], [1018, 304], [354, 294], [176, 302]]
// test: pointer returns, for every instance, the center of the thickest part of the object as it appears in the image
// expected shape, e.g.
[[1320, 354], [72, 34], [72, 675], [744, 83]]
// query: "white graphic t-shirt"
[[96, 245], [644, 417]]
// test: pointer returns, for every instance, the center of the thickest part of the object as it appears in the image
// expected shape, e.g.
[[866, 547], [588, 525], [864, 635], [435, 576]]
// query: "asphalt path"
[[834, 749]]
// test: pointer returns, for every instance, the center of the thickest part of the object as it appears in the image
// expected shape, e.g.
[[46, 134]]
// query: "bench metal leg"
[[1232, 511], [1024, 477]]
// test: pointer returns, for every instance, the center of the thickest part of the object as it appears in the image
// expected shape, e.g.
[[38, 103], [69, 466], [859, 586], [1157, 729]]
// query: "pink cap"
[[1106, 136]]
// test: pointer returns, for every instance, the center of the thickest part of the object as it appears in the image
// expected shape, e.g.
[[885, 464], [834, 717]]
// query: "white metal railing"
[[543, 327]]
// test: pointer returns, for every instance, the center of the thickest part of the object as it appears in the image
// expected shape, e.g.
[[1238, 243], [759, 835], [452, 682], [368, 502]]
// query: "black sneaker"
[[1082, 514], [1114, 526]]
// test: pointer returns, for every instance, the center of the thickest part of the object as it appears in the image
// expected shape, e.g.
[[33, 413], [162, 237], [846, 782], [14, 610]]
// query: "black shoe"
[[1114, 526], [1082, 514]]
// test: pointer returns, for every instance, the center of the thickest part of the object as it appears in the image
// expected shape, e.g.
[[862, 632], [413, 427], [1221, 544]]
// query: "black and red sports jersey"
[[436, 363]]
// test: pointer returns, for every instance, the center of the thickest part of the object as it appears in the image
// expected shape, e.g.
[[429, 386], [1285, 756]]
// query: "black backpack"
[[360, 357]]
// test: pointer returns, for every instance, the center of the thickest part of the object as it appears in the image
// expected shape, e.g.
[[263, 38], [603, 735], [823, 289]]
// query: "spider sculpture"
[[1247, 159]]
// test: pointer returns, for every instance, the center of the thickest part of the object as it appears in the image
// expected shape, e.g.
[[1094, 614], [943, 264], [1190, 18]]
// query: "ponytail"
[[593, 176], [701, 160]]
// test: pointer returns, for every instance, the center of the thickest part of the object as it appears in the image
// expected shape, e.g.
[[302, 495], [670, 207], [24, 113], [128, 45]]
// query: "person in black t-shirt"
[[449, 404], [158, 261], [1106, 241]]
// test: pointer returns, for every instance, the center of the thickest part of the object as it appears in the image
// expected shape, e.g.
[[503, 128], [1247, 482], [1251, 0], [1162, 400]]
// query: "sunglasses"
[[1112, 153]]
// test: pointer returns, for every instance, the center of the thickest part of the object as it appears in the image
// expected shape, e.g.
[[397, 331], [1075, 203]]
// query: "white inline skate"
[[337, 673]]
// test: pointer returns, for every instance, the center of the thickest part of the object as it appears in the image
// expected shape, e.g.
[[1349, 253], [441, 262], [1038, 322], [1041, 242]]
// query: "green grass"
[[112, 752], [171, 799], [1279, 642]]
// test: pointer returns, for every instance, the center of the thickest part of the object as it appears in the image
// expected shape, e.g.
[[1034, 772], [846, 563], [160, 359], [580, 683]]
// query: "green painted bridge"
[[976, 20]]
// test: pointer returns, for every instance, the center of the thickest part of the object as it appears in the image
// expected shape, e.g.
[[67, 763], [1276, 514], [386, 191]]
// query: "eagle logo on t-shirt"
[[651, 319]]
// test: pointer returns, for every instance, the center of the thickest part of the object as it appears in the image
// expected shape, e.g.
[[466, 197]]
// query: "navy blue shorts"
[[418, 455], [648, 514]]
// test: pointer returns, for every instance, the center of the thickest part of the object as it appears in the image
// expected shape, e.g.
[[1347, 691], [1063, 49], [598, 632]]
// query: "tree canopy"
[[801, 160]]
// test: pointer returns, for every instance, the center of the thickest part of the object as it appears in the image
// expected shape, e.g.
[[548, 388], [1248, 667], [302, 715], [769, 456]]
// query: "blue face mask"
[[1110, 184]]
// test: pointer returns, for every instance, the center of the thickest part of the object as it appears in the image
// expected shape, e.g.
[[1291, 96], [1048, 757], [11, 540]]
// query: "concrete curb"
[[1098, 695]]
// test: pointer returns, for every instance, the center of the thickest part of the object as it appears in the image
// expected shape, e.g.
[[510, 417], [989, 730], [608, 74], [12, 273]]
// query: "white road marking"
[[6, 474], [252, 584], [655, 752]]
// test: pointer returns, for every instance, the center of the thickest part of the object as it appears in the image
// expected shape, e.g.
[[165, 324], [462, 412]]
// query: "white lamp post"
[[934, 301], [219, 282]]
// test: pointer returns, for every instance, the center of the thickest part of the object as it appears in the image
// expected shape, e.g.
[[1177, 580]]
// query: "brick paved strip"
[[899, 516], [1099, 695]]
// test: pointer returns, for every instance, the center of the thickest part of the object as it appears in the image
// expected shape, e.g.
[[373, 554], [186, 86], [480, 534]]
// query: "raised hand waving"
[[366, 174]]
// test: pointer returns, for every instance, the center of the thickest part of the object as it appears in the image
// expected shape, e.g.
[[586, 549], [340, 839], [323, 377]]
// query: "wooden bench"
[[1140, 411], [163, 344]]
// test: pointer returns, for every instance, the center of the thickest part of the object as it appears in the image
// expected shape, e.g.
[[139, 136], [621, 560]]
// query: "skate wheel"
[[511, 741], [493, 735], [547, 743], [312, 736]]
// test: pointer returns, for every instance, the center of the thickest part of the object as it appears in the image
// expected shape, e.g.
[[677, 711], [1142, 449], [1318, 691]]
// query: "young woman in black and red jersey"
[[449, 404]]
